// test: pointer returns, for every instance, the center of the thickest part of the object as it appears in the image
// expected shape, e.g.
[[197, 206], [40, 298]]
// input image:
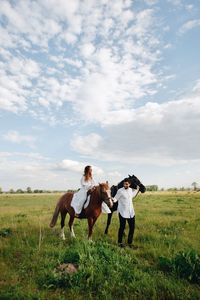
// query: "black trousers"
[[122, 224]]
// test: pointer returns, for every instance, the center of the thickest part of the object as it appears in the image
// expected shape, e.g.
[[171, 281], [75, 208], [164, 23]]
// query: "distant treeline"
[[150, 188], [30, 191], [154, 188]]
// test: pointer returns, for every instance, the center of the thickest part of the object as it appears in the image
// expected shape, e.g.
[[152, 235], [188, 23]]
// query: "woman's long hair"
[[88, 173]]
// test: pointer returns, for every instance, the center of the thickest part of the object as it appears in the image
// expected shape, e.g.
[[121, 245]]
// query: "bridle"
[[107, 200]]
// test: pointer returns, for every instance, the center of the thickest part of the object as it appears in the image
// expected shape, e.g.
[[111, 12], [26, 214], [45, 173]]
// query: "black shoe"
[[121, 245], [134, 247]]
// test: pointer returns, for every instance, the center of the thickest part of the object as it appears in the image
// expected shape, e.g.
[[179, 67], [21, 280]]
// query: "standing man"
[[126, 211]]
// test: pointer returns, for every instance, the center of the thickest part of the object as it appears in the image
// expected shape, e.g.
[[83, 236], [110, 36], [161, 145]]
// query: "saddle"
[[82, 214]]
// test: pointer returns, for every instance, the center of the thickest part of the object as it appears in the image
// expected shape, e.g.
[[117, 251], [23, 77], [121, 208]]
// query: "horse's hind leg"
[[62, 223], [71, 220], [108, 222]]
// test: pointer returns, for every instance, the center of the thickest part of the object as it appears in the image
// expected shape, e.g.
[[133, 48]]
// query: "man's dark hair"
[[127, 180]]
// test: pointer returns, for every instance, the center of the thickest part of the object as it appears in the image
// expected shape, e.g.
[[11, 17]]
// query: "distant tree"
[[38, 191], [11, 191], [29, 190], [194, 184], [1, 190], [19, 191], [152, 188], [174, 189]]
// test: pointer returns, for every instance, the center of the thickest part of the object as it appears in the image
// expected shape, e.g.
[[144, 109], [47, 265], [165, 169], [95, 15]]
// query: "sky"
[[111, 84]]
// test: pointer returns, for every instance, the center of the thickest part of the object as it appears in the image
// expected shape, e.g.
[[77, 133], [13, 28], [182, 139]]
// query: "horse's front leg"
[[71, 220], [91, 222], [90, 227]]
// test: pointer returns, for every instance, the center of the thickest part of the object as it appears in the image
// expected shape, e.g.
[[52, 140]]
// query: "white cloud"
[[97, 63], [65, 11], [76, 166], [26, 67], [177, 3], [189, 25], [87, 144], [114, 177], [71, 165], [196, 87], [19, 170], [11, 102], [156, 135], [26, 170], [29, 155], [16, 77], [151, 2], [87, 49], [69, 37], [15, 137], [76, 63], [103, 67], [29, 18], [189, 7]]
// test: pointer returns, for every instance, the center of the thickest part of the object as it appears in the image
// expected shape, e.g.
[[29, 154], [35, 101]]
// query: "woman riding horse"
[[99, 194]]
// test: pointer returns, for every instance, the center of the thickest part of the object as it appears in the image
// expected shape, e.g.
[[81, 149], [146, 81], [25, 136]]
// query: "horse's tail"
[[55, 215]]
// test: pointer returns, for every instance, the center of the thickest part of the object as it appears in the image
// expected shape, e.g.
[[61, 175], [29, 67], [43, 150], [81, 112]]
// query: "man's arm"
[[136, 191]]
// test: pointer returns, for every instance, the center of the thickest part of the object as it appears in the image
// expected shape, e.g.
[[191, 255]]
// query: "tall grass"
[[167, 236]]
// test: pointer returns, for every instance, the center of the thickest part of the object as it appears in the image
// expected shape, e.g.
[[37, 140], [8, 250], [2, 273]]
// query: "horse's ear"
[[106, 181], [129, 175]]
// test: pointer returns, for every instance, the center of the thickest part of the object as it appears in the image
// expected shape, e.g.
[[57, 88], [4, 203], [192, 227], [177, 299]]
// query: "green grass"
[[166, 264]]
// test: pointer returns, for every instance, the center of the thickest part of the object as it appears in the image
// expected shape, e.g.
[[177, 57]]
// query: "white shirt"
[[125, 203]]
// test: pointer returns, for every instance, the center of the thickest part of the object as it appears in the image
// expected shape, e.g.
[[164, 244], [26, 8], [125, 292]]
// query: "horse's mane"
[[134, 183], [100, 186]]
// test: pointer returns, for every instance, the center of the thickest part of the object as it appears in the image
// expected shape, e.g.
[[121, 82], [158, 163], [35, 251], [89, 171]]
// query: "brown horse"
[[98, 194]]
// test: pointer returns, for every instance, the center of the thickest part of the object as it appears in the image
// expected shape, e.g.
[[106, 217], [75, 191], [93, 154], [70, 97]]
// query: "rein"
[[137, 193]]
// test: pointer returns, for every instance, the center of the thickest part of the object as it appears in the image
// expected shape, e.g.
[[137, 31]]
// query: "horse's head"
[[105, 194], [136, 182]]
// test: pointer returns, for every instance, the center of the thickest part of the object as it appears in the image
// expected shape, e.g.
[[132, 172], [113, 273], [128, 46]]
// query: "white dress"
[[80, 196]]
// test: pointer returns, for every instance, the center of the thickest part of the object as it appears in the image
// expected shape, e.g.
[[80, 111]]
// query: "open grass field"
[[166, 264]]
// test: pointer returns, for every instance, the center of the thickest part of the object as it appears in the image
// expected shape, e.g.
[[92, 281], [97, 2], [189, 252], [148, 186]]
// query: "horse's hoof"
[[90, 240]]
